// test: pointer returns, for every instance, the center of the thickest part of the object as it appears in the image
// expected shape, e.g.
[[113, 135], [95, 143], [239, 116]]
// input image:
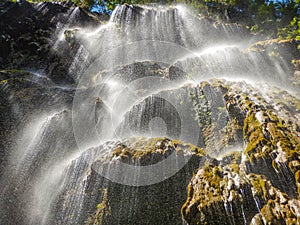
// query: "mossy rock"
[[271, 137], [150, 151], [158, 203], [217, 195], [227, 195], [277, 47], [280, 210], [271, 141]]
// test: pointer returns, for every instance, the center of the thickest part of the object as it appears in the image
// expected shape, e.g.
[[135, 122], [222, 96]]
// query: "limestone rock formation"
[[262, 187], [113, 203]]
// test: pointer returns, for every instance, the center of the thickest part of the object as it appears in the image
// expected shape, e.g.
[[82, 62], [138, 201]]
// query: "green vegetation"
[[150, 151], [201, 107], [259, 185], [273, 18], [103, 210], [291, 31]]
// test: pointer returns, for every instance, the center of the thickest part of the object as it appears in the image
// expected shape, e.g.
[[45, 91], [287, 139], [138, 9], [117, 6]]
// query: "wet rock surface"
[[249, 174], [28, 34], [25, 177], [22, 94], [34, 77], [277, 49], [262, 187], [108, 202], [254, 185]]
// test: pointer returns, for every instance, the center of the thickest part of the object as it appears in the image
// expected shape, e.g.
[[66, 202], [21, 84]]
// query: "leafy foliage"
[[273, 18], [87, 4], [292, 30], [260, 16]]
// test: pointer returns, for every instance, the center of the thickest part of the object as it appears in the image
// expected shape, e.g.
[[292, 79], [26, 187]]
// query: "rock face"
[[28, 34], [31, 70], [263, 187], [282, 49], [257, 183], [22, 94], [115, 203], [221, 194]]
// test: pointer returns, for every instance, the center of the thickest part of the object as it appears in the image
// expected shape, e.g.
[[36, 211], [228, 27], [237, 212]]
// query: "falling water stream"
[[134, 76]]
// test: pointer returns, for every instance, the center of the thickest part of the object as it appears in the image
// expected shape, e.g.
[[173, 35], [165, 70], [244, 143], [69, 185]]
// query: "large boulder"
[[108, 202]]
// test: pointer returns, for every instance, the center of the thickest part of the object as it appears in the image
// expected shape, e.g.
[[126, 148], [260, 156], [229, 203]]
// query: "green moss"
[[275, 166], [294, 166], [279, 212], [250, 124], [235, 167], [296, 63], [259, 184], [208, 184], [278, 136], [145, 149], [185, 209], [256, 134], [213, 173], [297, 178], [268, 214], [102, 210], [254, 148]]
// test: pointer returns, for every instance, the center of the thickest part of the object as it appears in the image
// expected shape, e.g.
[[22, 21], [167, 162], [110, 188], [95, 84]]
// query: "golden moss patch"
[[103, 210], [152, 150]]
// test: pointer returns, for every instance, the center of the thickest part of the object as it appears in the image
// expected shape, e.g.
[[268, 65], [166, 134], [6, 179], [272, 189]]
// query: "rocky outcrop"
[[24, 93], [31, 70], [286, 50], [56, 141], [108, 202], [29, 32], [222, 194], [255, 179], [248, 186], [263, 187]]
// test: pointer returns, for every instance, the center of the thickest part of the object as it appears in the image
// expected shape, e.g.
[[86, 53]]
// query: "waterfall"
[[136, 75]]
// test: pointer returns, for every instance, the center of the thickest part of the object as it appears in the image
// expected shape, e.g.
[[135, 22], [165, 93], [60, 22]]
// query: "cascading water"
[[138, 74]]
